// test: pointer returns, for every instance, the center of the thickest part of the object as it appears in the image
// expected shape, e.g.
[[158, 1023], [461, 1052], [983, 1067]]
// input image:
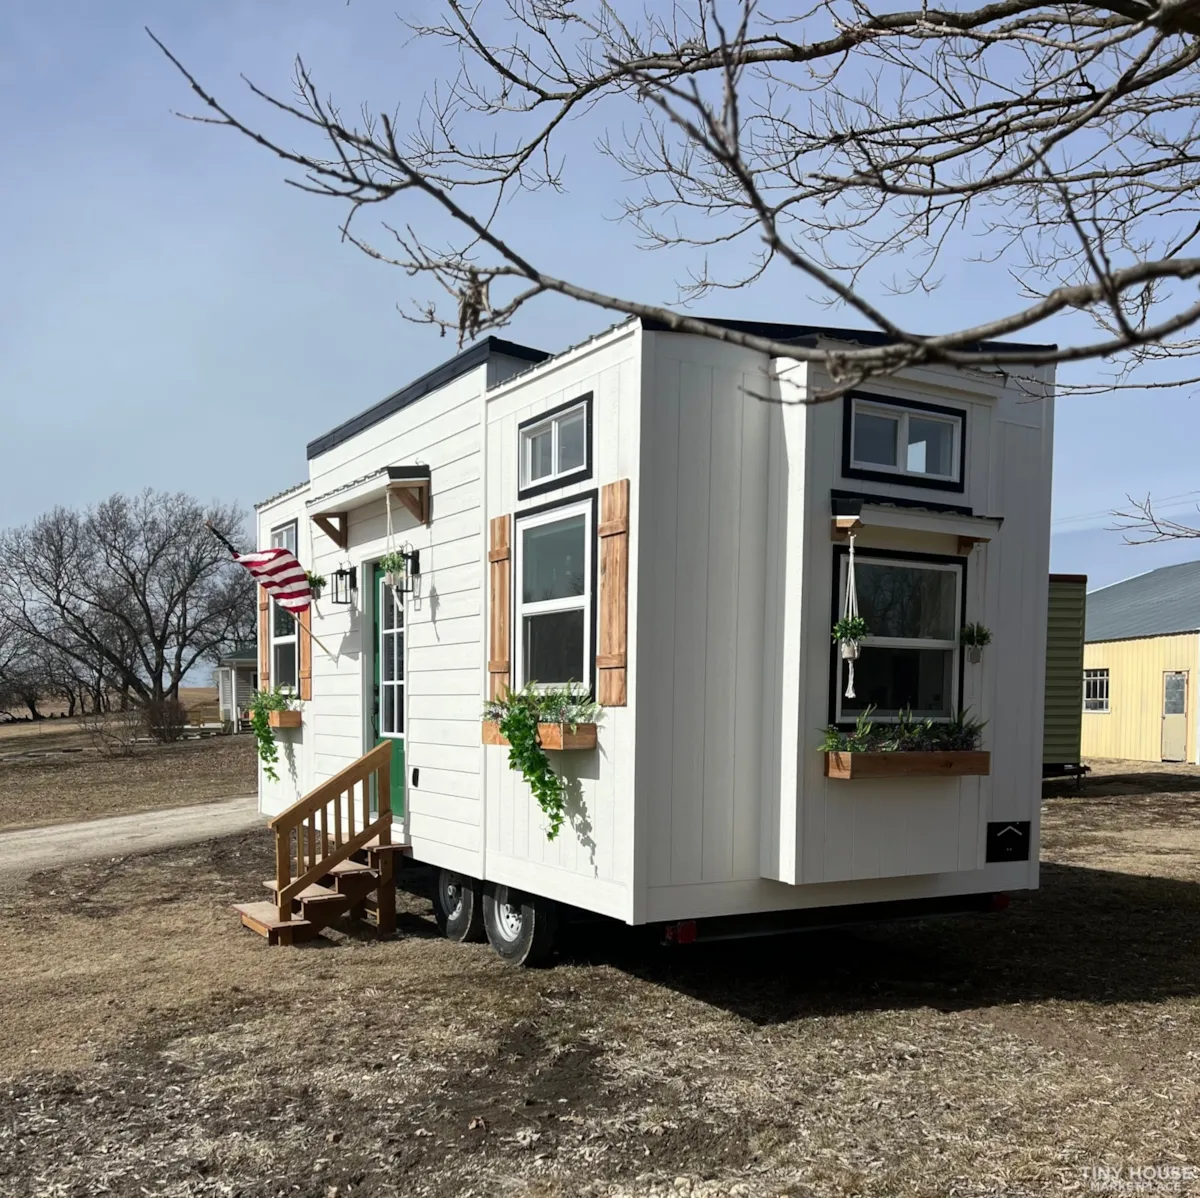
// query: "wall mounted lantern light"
[[345, 586]]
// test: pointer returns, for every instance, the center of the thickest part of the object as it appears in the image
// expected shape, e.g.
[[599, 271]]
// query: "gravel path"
[[32, 849]]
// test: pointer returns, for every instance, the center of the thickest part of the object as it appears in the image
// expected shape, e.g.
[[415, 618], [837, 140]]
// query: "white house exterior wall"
[[702, 562], [831, 842], [590, 863]]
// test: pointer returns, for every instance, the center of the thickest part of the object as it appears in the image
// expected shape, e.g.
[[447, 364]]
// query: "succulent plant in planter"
[[973, 638], [849, 631], [394, 566]]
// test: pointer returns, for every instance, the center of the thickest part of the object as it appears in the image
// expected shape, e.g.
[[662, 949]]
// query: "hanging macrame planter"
[[851, 628]]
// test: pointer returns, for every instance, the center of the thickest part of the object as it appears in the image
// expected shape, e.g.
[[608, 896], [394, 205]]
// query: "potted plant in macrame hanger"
[[973, 638], [394, 565], [850, 631]]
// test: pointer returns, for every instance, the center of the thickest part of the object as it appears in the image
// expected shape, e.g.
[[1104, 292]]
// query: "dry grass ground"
[[73, 782], [150, 1047]]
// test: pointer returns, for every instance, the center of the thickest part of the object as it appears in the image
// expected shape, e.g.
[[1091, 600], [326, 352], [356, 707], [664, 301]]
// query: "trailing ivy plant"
[[906, 735], [850, 628], [262, 703], [518, 713]]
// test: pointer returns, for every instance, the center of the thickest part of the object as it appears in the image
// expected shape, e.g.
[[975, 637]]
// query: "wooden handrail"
[[322, 836]]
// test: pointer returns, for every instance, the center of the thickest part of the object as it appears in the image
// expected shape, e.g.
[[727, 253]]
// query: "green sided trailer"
[[1062, 723]]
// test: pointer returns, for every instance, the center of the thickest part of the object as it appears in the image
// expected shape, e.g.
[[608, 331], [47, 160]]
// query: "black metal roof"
[[439, 376], [1159, 603], [810, 332]]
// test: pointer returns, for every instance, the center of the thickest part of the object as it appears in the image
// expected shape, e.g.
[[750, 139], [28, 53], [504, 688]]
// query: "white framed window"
[[910, 659], [284, 668], [554, 587], [1095, 690], [555, 448], [888, 438]]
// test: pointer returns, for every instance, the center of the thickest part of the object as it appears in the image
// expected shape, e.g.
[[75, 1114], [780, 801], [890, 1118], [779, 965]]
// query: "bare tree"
[[858, 149], [22, 681], [133, 590]]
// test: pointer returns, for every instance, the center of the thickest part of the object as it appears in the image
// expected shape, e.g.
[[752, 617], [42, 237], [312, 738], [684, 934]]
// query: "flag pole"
[[233, 553]]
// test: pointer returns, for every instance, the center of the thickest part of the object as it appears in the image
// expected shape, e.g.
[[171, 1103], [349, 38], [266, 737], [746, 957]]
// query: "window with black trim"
[[284, 670], [554, 449], [1095, 690], [910, 659], [913, 443], [554, 585]]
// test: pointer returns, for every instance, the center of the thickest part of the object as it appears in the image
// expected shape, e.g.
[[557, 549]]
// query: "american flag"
[[279, 573]]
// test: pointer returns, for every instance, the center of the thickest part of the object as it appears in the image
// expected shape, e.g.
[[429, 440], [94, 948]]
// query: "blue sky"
[[172, 315]]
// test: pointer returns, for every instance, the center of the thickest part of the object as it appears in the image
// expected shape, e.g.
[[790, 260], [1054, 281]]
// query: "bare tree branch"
[[1061, 142]]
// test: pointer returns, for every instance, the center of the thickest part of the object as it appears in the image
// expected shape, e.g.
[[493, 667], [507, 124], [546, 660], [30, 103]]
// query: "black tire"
[[457, 907], [519, 926]]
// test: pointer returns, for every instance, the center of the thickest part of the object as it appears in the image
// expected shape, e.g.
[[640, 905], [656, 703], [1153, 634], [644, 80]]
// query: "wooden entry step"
[[263, 918], [329, 862]]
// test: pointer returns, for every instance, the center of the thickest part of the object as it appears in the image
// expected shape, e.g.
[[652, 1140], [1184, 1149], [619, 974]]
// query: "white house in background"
[[697, 506], [236, 680]]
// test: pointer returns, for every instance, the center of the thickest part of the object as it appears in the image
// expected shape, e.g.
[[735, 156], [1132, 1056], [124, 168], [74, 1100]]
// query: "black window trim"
[[840, 551], [593, 498], [849, 470], [563, 480]]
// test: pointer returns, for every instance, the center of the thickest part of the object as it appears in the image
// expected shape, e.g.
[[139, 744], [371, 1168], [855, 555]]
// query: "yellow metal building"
[[1141, 661]]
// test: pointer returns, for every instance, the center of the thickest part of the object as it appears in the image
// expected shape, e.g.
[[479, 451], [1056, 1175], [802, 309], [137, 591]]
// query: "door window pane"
[[891, 678], [553, 645], [1174, 695], [389, 710], [572, 435], [907, 601], [875, 438], [552, 564], [930, 446]]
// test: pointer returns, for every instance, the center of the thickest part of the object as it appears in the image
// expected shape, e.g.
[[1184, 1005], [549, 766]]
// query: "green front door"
[[388, 716]]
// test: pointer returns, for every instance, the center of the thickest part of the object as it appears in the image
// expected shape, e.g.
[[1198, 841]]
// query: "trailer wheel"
[[457, 907], [519, 926]]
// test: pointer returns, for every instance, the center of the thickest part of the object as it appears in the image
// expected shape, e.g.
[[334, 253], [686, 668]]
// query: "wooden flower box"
[[285, 719], [949, 764], [551, 736]]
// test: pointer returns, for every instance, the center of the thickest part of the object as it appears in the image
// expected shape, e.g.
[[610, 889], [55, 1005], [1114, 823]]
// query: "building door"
[[388, 716], [1174, 720]]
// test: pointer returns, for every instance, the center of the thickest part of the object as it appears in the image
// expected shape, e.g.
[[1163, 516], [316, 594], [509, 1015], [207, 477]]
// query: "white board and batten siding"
[[590, 862], [737, 576]]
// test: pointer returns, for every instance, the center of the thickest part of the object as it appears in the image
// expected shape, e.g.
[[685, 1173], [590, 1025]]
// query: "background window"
[[910, 660], [283, 623], [897, 440], [555, 448], [554, 596], [1095, 690]]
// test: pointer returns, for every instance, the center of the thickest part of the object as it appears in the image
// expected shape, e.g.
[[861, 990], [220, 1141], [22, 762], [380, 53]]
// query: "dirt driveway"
[[150, 1047], [25, 852]]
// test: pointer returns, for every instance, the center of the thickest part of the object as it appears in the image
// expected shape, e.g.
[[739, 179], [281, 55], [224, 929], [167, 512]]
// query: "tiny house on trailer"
[[664, 519]]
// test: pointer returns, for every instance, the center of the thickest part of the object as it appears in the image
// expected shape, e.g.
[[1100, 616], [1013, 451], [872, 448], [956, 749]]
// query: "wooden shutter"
[[499, 583], [304, 652], [611, 690], [264, 639]]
